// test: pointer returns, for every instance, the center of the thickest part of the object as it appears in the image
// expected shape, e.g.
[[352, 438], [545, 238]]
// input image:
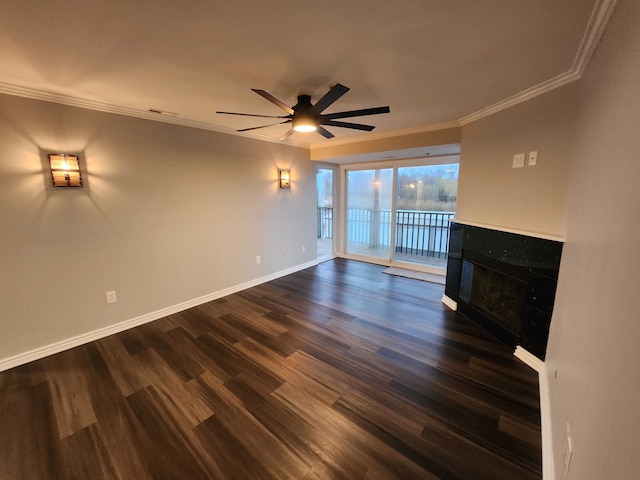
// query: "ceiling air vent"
[[162, 112]]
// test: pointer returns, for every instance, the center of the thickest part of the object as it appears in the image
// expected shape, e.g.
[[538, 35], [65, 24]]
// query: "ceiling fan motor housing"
[[305, 118]]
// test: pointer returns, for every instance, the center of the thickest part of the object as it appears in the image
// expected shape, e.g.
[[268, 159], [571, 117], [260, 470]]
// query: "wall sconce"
[[285, 178], [65, 170]]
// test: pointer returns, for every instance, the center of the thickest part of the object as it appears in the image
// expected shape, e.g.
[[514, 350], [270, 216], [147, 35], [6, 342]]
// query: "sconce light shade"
[[65, 170], [284, 177]]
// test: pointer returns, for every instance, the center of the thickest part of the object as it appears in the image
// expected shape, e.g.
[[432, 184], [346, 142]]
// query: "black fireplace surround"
[[505, 282]]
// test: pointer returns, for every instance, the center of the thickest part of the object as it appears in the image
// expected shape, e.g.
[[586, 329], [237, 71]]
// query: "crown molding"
[[528, 94], [600, 16], [54, 97]]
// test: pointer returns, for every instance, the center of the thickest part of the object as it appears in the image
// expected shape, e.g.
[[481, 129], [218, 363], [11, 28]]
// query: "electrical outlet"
[[518, 160], [111, 297], [568, 452], [568, 449], [258, 260], [303, 248]]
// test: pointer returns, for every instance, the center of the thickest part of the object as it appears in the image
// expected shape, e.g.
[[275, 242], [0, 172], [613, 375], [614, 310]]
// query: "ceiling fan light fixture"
[[304, 123], [305, 128]]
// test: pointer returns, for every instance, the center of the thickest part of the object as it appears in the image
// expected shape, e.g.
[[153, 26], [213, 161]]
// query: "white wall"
[[167, 214], [594, 343]]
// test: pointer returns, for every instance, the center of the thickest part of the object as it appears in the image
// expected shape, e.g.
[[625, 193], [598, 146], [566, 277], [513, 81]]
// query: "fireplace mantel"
[[517, 231]]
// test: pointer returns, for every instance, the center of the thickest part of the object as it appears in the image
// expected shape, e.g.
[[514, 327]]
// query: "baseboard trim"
[[452, 304], [529, 359], [38, 353], [548, 472]]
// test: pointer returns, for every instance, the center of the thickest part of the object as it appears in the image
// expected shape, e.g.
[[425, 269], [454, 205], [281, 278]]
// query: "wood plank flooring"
[[334, 372]]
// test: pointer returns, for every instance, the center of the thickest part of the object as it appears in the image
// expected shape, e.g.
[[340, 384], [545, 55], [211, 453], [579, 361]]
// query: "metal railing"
[[423, 233], [418, 232], [325, 222], [368, 226]]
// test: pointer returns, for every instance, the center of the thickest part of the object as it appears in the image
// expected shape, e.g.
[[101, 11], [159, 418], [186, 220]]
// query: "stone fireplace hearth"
[[505, 282]]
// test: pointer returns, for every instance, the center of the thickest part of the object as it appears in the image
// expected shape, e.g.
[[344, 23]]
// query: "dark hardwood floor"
[[334, 372]]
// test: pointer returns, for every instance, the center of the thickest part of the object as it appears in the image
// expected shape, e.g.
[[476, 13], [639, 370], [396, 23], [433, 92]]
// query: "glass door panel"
[[425, 203], [324, 186], [369, 217]]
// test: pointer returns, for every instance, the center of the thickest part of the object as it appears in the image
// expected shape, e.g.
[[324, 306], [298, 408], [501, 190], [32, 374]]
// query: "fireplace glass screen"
[[496, 294]]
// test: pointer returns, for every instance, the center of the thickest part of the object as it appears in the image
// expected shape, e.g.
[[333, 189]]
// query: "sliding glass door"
[[369, 219], [401, 214]]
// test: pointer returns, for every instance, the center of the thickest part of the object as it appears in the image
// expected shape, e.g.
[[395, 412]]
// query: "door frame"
[[340, 228], [335, 208]]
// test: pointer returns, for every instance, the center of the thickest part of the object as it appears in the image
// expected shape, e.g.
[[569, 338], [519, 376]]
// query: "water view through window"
[[369, 195]]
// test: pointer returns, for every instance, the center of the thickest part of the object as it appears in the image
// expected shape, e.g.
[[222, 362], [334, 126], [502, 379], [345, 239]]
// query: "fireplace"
[[505, 282]]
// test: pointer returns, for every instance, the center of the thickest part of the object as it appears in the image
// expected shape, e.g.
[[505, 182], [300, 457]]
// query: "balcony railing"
[[418, 232], [423, 233], [325, 222]]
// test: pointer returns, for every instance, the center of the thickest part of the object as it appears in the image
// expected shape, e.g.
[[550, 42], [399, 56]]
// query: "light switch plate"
[[518, 160], [533, 158]]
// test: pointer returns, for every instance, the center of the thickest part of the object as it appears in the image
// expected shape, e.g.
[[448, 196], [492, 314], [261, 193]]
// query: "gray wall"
[[529, 199], [168, 214], [595, 331]]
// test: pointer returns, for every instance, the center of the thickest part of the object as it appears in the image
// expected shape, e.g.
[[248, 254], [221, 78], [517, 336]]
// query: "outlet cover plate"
[[111, 297], [568, 452]]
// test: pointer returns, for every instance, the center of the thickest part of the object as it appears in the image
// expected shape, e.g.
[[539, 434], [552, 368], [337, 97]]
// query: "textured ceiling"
[[431, 61]]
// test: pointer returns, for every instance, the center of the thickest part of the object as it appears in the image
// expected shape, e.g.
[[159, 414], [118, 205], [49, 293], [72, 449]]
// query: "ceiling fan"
[[306, 117]]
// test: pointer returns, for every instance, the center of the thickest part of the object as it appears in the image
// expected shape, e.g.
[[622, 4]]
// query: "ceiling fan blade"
[[324, 132], [288, 134], [331, 96], [254, 115], [356, 113], [274, 100], [263, 126], [357, 126]]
